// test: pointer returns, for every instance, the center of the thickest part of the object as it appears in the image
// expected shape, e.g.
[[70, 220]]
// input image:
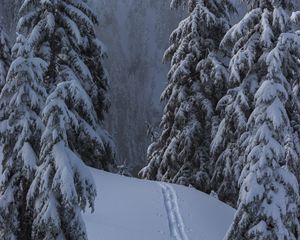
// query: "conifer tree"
[[196, 81], [21, 100], [292, 143], [5, 58], [62, 33], [229, 142], [269, 192]]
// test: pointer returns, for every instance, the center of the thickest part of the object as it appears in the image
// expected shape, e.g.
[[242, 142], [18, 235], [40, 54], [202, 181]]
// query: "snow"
[[133, 209]]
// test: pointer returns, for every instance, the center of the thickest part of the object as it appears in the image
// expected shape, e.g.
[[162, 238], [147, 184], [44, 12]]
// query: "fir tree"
[[195, 82], [62, 33], [21, 101], [63, 186], [5, 58], [228, 144], [269, 192], [292, 70]]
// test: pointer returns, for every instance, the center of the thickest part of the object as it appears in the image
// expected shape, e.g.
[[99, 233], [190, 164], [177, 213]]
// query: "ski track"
[[176, 224]]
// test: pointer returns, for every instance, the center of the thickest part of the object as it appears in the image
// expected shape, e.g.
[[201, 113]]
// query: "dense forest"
[[198, 93]]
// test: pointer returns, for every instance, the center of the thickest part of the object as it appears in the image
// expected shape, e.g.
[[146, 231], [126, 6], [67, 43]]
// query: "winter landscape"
[[149, 119]]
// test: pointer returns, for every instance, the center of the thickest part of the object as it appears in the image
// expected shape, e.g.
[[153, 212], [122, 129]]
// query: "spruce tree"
[[21, 100], [196, 81], [5, 58], [229, 142], [292, 143], [62, 33], [269, 191]]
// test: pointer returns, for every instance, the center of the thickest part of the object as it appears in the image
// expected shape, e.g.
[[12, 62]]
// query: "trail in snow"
[[176, 224]]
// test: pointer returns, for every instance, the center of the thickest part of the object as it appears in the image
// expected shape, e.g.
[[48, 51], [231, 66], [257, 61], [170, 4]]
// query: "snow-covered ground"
[[132, 209]]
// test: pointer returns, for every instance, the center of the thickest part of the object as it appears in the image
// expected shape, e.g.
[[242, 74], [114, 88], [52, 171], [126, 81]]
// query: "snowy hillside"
[[132, 209]]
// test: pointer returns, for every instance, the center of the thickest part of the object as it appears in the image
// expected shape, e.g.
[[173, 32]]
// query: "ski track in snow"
[[176, 224]]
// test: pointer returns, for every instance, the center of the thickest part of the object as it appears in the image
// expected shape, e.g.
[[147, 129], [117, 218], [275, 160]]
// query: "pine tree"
[[228, 144], [21, 101], [195, 82], [269, 192], [62, 186], [62, 33], [292, 144], [5, 58]]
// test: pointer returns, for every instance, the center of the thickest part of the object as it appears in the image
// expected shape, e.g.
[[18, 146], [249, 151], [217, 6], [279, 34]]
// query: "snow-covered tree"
[[63, 186], [196, 81], [228, 144], [269, 191], [246, 68], [21, 101], [230, 140], [5, 58], [292, 69], [62, 33]]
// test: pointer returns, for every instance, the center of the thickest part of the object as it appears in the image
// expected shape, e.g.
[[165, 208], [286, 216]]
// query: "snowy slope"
[[132, 209]]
